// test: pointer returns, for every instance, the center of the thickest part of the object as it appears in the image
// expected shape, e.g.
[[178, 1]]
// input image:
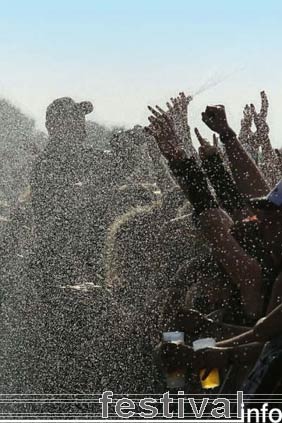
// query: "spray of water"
[[213, 81]]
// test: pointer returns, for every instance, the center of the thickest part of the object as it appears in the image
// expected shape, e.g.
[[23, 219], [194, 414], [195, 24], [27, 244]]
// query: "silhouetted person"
[[65, 181]]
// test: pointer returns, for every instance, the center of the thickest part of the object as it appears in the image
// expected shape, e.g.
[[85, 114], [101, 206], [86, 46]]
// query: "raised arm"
[[225, 188], [244, 271], [247, 137], [246, 174], [164, 180], [269, 162], [264, 330]]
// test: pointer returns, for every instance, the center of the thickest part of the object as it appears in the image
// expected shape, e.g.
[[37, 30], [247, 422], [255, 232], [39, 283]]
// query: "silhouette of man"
[[63, 184]]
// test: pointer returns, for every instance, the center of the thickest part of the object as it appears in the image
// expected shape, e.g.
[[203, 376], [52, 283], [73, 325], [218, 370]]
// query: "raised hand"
[[178, 109], [215, 141], [215, 118], [162, 129], [206, 149], [181, 103], [260, 117], [269, 161], [247, 117], [246, 136]]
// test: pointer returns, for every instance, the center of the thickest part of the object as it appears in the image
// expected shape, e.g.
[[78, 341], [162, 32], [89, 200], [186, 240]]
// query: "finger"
[[189, 98], [164, 115], [160, 109], [247, 110], [183, 98], [174, 102], [278, 153], [167, 119], [159, 121], [264, 104], [152, 120], [153, 130], [215, 140], [169, 106], [154, 124], [201, 140], [149, 130], [155, 113], [253, 110]]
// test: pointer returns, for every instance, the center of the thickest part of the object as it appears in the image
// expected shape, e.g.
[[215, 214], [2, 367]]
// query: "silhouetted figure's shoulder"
[[71, 163]]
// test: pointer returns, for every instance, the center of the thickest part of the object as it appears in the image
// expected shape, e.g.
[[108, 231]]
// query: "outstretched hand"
[[215, 118], [206, 149], [170, 128], [247, 137], [260, 117], [246, 122], [178, 109], [180, 105], [162, 129]]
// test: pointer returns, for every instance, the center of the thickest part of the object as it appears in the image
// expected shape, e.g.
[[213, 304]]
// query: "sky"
[[125, 54]]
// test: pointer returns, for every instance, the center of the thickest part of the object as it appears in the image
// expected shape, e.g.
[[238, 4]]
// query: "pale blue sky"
[[125, 54]]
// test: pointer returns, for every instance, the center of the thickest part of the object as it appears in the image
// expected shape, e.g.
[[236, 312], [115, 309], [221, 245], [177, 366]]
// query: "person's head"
[[65, 119]]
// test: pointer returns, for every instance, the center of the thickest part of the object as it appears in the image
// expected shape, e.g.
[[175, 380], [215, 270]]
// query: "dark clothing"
[[249, 236], [59, 173], [193, 182], [66, 185], [225, 188], [266, 376]]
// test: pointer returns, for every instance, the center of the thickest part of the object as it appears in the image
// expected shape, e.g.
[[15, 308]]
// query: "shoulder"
[[91, 151]]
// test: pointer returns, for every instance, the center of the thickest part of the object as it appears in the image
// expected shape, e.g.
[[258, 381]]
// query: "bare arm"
[[244, 271], [164, 179], [269, 162], [198, 325], [264, 330], [247, 137], [246, 174], [225, 188]]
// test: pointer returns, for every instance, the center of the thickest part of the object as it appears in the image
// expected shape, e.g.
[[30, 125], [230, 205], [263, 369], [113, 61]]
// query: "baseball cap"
[[65, 106]]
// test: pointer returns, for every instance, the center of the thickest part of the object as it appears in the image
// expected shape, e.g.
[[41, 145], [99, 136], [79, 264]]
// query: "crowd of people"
[[169, 238], [241, 219]]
